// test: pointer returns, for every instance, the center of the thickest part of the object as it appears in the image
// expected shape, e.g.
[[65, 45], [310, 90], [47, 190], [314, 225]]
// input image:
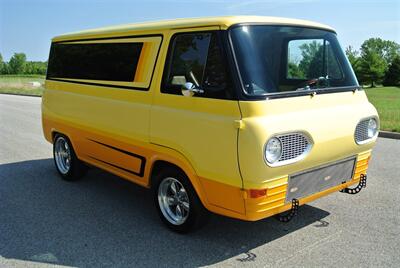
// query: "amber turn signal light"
[[256, 193]]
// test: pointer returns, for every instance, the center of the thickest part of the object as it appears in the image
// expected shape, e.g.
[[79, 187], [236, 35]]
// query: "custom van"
[[246, 117]]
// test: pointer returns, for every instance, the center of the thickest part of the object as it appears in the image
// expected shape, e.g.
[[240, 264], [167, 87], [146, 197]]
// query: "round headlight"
[[372, 127], [273, 150]]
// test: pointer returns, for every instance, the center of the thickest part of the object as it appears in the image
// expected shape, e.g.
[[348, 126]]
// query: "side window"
[[197, 58], [96, 61], [216, 82]]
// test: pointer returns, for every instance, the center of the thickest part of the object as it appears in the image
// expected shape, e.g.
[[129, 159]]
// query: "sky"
[[28, 25]]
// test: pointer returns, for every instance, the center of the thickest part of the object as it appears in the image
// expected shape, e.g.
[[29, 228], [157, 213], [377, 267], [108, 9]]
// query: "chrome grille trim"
[[361, 132], [295, 146]]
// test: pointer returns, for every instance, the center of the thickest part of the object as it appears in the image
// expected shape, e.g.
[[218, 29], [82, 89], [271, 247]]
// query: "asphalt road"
[[105, 221]]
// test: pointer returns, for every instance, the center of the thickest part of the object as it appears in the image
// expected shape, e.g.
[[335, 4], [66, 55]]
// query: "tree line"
[[376, 62], [19, 65]]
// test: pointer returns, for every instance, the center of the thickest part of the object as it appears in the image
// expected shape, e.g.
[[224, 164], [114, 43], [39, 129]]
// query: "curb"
[[390, 135], [25, 95]]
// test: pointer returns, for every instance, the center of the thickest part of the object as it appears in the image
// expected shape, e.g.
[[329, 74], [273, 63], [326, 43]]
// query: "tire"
[[193, 214], [67, 164]]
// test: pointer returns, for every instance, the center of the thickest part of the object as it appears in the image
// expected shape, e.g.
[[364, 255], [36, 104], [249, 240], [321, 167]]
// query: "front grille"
[[319, 179], [294, 146], [361, 133]]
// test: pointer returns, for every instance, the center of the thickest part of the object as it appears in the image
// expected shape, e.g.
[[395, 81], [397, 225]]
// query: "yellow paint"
[[146, 61], [207, 138], [223, 22], [149, 40]]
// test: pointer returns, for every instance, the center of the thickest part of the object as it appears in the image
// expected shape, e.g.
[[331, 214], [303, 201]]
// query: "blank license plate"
[[321, 178]]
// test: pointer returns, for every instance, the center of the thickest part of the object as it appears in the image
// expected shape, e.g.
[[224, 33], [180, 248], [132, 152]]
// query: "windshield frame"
[[285, 94]]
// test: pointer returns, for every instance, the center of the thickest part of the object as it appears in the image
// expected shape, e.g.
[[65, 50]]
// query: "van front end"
[[307, 127], [322, 145]]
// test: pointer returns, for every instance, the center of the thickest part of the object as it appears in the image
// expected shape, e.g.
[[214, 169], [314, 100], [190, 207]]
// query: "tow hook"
[[357, 189], [293, 212]]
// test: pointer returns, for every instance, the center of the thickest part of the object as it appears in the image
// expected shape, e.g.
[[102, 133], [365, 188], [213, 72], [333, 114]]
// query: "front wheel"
[[177, 202], [68, 165]]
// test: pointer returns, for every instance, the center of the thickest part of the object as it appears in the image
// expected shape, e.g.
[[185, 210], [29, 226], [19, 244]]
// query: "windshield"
[[273, 59]]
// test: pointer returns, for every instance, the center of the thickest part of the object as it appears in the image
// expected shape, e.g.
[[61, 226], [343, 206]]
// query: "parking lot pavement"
[[105, 221]]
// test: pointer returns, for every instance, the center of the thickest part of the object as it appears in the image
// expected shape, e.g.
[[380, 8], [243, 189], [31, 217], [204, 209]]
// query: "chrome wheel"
[[173, 201], [62, 155]]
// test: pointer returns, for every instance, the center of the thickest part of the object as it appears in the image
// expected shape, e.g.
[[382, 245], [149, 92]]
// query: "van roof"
[[157, 26]]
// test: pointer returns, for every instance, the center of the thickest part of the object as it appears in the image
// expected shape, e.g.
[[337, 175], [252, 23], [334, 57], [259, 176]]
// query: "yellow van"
[[246, 117]]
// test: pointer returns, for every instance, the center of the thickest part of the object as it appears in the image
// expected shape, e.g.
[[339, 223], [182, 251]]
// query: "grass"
[[20, 84], [387, 101]]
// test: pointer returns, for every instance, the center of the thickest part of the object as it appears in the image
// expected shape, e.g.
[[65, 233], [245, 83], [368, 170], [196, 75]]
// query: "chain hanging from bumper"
[[293, 212], [357, 189]]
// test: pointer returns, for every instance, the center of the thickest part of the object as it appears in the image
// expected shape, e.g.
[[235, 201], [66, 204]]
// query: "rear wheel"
[[177, 202], [68, 165]]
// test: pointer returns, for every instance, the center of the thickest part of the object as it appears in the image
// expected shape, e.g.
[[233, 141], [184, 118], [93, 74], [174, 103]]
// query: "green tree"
[[388, 50], [376, 56], [372, 67], [294, 71], [391, 51], [3, 65], [392, 76], [17, 63], [311, 53], [374, 59], [35, 67]]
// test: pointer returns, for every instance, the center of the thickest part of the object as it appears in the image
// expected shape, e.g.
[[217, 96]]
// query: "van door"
[[200, 127]]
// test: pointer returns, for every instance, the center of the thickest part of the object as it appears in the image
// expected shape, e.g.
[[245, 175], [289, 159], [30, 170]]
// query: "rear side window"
[[197, 58], [94, 61]]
